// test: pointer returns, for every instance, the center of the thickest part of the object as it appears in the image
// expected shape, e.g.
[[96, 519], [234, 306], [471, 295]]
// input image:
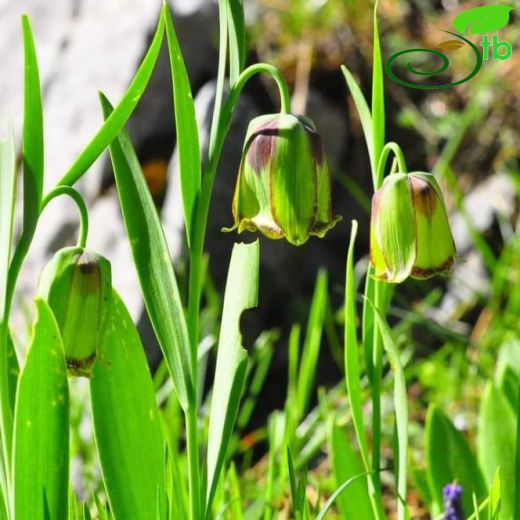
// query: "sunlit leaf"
[[237, 38], [241, 294], [41, 434], [497, 442], [311, 345], [186, 126], [152, 261], [127, 420], [354, 501], [32, 148]]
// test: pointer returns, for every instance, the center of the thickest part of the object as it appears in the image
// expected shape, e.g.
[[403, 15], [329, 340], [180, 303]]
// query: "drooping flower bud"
[[409, 232], [77, 285], [283, 186]]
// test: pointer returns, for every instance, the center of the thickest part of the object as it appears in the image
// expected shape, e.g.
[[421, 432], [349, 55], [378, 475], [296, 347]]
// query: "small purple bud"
[[452, 494]]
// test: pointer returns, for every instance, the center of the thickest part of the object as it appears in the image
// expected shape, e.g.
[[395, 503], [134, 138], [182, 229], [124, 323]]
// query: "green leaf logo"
[[488, 18]]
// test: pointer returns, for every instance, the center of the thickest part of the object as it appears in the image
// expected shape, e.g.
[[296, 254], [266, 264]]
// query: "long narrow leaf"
[[237, 38], [186, 125], [152, 261], [496, 443], [378, 101], [401, 412], [335, 495], [354, 502], [352, 373], [311, 345], [363, 111], [33, 161], [121, 113], [241, 294], [127, 420], [41, 436]]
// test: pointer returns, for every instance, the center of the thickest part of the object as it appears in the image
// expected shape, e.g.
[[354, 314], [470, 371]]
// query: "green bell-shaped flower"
[[77, 285], [409, 232], [283, 186]]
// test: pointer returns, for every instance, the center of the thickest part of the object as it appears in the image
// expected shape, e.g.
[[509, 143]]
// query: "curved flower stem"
[[216, 143], [26, 239], [80, 203], [383, 158]]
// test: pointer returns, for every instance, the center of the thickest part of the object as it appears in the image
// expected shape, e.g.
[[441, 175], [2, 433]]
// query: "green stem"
[[377, 369], [192, 447], [383, 158], [80, 204]]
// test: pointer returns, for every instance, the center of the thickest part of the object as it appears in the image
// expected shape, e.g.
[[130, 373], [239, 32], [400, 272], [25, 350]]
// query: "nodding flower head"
[[409, 232], [283, 186], [77, 285], [452, 494]]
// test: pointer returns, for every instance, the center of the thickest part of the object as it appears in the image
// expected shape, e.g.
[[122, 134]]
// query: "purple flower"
[[452, 494]]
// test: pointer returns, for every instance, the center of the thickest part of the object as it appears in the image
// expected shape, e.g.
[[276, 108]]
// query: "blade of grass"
[[275, 430], [292, 382], [336, 493], [113, 124], [367, 322], [237, 38], [364, 114], [352, 372], [127, 420], [496, 443], [235, 499], [241, 294], [32, 147], [378, 100], [292, 481], [495, 496], [401, 413], [41, 434], [186, 126], [311, 345], [354, 502], [153, 264]]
